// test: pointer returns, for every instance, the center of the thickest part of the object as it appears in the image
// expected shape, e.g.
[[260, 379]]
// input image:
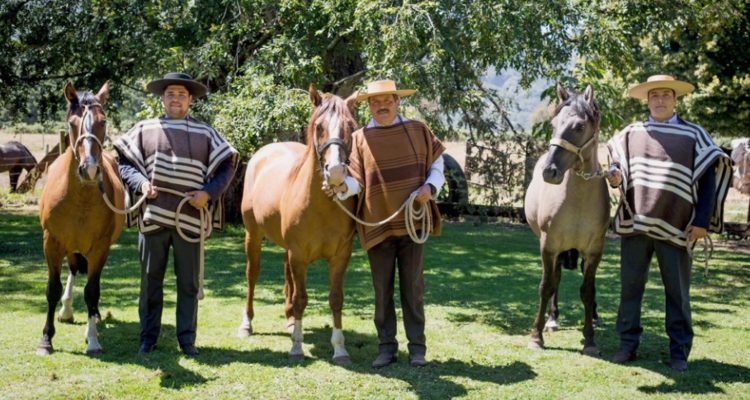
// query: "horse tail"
[[568, 259]]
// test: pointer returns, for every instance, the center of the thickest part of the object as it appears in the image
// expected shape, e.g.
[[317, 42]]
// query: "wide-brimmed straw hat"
[[658, 82], [157, 86], [378, 88]]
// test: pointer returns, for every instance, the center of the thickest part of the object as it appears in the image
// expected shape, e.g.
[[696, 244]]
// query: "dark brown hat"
[[196, 89]]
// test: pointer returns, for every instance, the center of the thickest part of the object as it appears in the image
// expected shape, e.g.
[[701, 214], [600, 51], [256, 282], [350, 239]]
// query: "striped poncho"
[[390, 163], [177, 154], [661, 165]]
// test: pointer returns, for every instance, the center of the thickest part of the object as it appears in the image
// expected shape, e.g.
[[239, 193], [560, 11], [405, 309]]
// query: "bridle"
[[577, 150], [87, 134], [319, 149]]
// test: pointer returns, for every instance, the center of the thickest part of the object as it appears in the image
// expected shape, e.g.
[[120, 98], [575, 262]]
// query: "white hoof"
[[246, 328]]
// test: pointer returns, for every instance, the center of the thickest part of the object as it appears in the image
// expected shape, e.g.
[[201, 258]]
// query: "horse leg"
[[337, 270], [299, 303], [554, 311], [288, 291], [14, 173], [588, 296], [91, 294], [546, 289], [253, 243], [54, 255], [66, 312]]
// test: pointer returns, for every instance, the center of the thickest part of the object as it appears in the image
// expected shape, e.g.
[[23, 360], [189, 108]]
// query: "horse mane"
[[581, 107], [328, 103]]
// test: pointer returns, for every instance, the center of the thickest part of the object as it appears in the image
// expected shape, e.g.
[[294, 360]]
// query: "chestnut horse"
[[568, 210], [283, 199], [14, 158], [77, 223]]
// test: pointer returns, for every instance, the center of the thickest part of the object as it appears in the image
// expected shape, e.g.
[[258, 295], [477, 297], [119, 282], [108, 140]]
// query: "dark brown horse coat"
[[14, 158]]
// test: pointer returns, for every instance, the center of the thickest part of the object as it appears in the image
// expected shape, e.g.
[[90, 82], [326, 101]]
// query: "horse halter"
[[87, 134], [560, 142], [328, 143]]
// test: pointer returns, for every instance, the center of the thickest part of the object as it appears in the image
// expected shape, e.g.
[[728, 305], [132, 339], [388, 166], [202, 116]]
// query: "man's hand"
[[424, 194], [199, 199], [614, 177], [149, 190], [330, 191], [696, 232]]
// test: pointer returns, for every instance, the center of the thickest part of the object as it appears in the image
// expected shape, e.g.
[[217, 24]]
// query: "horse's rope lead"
[[422, 214], [205, 225]]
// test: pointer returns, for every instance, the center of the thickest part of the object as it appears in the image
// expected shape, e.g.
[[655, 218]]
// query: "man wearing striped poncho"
[[180, 153], [675, 180]]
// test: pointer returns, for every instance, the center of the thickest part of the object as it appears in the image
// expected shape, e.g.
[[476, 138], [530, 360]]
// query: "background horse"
[[741, 159], [14, 158], [566, 210], [77, 223], [283, 199]]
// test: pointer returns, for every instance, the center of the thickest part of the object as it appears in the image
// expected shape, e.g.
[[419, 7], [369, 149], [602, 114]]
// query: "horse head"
[[88, 129], [330, 132], [575, 127]]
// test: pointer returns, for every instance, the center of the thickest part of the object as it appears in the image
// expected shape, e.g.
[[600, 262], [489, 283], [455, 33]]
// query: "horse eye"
[[319, 128]]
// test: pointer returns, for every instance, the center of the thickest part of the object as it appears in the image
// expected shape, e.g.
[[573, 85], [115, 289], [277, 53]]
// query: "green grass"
[[481, 298]]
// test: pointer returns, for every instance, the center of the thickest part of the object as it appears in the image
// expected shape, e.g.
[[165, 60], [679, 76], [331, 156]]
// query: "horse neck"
[[308, 175]]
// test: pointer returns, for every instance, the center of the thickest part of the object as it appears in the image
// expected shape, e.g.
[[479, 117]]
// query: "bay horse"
[[283, 200], [76, 221], [567, 210], [14, 158]]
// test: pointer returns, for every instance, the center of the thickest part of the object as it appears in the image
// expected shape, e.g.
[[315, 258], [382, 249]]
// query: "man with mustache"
[[675, 180], [177, 152], [391, 158]]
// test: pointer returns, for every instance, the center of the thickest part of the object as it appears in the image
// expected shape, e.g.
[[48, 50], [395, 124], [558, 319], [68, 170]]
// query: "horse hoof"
[[244, 332], [296, 357], [591, 351], [535, 345], [69, 320], [551, 328], [44, 350], [94, 353], [596, 322], [342, 360]]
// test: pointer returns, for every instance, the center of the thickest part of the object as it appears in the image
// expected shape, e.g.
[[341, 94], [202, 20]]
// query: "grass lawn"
[[481, 299]]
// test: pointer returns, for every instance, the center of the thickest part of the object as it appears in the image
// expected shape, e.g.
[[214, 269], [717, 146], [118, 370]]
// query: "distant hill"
[[526, 101]]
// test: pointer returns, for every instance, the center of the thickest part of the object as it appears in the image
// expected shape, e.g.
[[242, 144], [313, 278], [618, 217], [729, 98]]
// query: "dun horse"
[[283, 199], [77, 223], [568, 211], [14, 158]]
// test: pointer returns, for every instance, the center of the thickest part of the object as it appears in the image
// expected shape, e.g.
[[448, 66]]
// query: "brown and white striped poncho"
[[390, 163], [661, 165], [179, 154]]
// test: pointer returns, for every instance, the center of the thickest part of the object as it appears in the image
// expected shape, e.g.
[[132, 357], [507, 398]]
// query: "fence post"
[[62, 134]]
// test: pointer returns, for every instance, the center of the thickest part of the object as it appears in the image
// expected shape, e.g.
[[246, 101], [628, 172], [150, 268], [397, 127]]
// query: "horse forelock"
[[331, 106], [83, 98], [578, 104]]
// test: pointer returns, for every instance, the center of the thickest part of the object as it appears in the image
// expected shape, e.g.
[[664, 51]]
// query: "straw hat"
[[196, 89], [378, 88], [660, 81]]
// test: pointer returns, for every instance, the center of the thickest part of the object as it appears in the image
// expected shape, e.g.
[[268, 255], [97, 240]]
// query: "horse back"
[[13, 155]]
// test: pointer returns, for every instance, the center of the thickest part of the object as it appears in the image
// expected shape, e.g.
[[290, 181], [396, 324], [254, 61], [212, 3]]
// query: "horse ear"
[[589, 94], [314, 95], [70, 92], [562, 94], [351, 101], [103, 93]]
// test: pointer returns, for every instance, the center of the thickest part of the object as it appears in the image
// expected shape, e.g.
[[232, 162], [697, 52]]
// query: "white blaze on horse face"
[[88, 149], [335, 168]]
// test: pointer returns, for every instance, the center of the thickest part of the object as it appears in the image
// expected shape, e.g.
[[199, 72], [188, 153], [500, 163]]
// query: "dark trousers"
[[675, 265], [383, 261], [154, 251]]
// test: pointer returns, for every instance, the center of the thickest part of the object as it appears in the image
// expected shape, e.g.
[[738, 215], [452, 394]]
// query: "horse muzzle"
[[89, 172], [335, 175]]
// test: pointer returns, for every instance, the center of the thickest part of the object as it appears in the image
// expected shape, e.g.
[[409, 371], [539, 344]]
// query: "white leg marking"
[[551, 324], [246, 328], [66, 312], [297, 353], [92, 336], [339, 349]]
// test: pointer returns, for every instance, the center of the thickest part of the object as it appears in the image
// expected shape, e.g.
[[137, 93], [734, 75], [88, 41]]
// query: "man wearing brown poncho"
[[391, 158], [675, 180]]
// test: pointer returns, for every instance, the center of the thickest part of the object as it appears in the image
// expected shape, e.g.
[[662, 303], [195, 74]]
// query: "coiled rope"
[[412, 216]]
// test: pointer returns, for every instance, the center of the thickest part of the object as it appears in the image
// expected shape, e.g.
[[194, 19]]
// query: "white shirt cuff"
[[436, 177], [352, 188]]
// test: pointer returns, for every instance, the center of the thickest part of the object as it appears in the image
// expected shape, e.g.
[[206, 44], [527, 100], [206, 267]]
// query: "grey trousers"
[[410, 257], [675, 265], [154, 251]]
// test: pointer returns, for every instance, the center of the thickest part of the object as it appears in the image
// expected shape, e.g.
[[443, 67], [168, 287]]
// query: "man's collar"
[[399, 119], [672, 120]]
